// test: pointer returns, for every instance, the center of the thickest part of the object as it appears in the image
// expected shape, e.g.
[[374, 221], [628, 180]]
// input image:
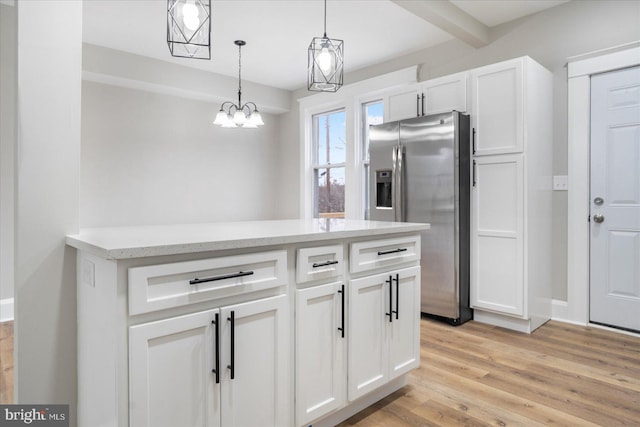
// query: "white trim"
[[349, 98], [580, 70], [559, 310], [6, 310]]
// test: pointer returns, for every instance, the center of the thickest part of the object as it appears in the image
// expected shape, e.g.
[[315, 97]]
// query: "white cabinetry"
[[511, 194], [200, 334], [320, 351], [321, 376], [217, 367], [383, 331], [384, 328], [434, 96]]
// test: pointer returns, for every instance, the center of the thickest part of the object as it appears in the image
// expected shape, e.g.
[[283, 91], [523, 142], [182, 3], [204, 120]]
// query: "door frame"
[[579, 71]]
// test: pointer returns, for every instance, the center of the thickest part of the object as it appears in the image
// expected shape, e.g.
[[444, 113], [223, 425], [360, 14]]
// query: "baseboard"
[[560, 311], [6, 310]]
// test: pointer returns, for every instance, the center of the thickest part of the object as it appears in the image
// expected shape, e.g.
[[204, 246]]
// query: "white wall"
[[47, 185], [8, 47], [150, 158], [549, 37]]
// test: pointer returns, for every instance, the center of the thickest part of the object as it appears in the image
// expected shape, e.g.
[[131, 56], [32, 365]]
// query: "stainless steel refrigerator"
[[420, 172]]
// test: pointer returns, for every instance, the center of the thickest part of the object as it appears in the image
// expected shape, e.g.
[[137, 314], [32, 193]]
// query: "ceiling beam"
[[446, 16]]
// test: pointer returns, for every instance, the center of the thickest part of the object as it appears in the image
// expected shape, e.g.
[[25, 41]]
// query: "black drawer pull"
[[324, 264], [392, 251], [224, 276]]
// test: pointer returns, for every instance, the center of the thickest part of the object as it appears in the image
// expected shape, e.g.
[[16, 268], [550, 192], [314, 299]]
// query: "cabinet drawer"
[[317, 263], [383, 253], [161, 286]]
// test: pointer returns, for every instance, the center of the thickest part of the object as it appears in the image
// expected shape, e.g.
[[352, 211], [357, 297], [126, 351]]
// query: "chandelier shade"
[[189, 28], [245, 115], [325, 62]]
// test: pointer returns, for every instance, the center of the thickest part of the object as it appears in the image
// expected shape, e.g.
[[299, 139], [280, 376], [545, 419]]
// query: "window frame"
[[316, 165], [350, 97]]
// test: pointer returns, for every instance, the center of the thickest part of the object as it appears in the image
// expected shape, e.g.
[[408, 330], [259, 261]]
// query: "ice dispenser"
[[383, 188]]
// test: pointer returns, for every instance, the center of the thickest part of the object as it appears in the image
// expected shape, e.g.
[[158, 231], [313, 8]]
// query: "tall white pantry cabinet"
[[511, 119]]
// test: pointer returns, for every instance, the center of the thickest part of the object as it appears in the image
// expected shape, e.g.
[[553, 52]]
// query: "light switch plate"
[[560, 183]]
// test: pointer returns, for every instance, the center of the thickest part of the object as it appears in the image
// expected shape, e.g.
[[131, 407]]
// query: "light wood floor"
[[479, 375], [6, 362]]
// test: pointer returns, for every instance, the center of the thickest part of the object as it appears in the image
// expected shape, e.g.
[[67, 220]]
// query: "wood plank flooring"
[[480, 375], [6, 362]]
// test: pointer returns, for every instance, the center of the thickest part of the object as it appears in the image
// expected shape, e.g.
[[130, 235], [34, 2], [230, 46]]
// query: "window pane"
[[329, 192], [331, 135], [372, 115]]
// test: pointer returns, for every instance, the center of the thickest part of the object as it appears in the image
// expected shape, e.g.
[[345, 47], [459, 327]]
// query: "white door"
[[321, 377], [402, 104], [171, 382], [445, 94], [404, 339], [254, 344], [367, 335], [615, 199], [497, 234], [497, 108]]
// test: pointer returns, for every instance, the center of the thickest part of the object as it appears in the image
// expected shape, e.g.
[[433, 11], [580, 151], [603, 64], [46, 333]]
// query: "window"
[[372, 114], [329, 156]]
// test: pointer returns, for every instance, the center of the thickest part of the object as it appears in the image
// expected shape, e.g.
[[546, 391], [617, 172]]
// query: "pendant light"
[[232, 115], [325, 62], [189, 28]]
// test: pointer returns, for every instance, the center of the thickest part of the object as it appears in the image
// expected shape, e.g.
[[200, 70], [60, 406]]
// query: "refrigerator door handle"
[[399, 184]]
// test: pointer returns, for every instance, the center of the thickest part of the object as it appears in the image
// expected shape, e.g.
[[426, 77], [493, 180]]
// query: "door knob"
[[598, 218], [598, 201]]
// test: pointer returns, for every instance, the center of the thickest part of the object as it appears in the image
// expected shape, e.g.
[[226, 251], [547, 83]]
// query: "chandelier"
[[232, 115], [325, 56], [189, 28]]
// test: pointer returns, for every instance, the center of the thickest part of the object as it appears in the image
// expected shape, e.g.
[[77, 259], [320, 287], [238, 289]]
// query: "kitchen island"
[[279, 323]]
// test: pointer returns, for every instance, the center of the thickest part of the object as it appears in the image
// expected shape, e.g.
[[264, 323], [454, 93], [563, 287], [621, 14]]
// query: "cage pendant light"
[[189, 28], [232, 115], [325, 55]]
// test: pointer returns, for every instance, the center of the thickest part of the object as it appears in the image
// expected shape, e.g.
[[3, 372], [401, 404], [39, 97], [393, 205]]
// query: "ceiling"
[[278, 32]]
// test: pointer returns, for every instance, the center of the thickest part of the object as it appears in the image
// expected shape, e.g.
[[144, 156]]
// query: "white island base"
[[269, 323]]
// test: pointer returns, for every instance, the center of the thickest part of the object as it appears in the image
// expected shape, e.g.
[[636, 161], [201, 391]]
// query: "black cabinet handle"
[[473, 141], [474, 173], [222, 277], [422, 103], [392, 251], [324, 264], [397, 280], [230, 366], [341, 292], [216, 370], [418, 105], [390, 313]]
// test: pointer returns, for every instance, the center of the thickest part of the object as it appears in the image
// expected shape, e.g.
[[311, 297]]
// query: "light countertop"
[[157, 240]]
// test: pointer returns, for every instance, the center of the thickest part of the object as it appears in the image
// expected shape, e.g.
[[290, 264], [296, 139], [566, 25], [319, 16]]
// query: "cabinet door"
[[402, 104], [497, 108], [445, 94], [497, 277], [320, 351], [404, 338], [170, 373], [255, 346], [367, 335]]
